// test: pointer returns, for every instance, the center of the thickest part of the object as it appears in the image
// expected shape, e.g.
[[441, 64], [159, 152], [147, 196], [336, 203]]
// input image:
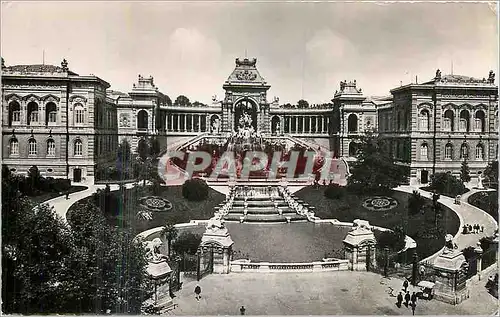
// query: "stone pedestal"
[[451, 269], [217, 238], [159, 271], [359, 246]]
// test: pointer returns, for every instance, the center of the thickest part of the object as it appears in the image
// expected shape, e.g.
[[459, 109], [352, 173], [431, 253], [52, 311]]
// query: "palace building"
[[435, 126], [68, 124], [53, 118]]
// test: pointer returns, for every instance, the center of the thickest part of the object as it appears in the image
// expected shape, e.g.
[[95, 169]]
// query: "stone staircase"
[[259, 204]]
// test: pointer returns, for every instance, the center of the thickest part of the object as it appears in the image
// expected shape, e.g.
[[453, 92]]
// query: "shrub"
[[394, 239], [447, 184], [415, 203], [334, 191], [187, 242], [195, 189]]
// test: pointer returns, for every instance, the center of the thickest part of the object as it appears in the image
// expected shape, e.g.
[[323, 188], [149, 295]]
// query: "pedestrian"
[[482, 229], [414, 298], [242, 310], [67, 195], [197, 292], [470, 228], [400, 300], [413, 306], [407, 298], [464, 229], [405, 285]]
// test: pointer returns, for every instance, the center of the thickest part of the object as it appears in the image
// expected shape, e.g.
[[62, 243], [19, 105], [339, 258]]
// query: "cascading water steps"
[[261, 204]]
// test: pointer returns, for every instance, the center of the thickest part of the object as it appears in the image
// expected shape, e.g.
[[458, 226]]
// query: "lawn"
[[44, 196], [420, 226], [285, 243], [124, 214], [281, 242], [487, 201]]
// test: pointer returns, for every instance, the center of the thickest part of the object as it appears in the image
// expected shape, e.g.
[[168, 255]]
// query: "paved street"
[[359, 293], [467, 213]]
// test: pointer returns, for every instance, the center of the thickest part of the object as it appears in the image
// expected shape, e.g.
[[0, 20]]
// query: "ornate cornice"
[[31, 97], [49, 97], [78, 98]]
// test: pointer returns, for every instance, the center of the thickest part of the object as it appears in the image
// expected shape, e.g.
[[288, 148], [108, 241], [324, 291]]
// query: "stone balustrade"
[[326, 265]]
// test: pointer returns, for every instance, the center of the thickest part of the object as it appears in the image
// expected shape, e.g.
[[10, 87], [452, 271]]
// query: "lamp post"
[[414, 269], [386, 252]]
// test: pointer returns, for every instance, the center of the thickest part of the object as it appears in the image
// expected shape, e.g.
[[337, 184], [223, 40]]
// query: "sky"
[[303, 50]]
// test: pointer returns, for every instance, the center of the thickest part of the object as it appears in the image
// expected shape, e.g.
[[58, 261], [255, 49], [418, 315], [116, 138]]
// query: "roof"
[[245, 73], [37, 68]]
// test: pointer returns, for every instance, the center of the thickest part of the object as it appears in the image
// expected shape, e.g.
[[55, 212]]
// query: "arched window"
[[448, 122], [50, 113], [352, 123], [448, 151], [142, 120], [32, 112], [78, 148], [424, 151], [424, 120], [464, 151], [51, 147], [79, 114], [479, 121], [32, 150], [479, 152], [464, 121], [14, 147], [14, 113]]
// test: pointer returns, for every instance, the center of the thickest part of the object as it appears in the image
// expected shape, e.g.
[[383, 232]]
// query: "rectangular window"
[[16, 116], [52, 117], [51, 149], [14, 148], [447, 124], [79, 116], [32, 148], [34, 116]]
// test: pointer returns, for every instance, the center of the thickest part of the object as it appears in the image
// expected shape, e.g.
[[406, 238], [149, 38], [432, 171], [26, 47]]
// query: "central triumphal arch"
[[245, 97]]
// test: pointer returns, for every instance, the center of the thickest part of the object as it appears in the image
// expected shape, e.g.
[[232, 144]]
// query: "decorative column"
[[451, 277], [185, 122], [159, 272], [217, 236], [359, 246], [303, 124], [192, 123], [199, 122]]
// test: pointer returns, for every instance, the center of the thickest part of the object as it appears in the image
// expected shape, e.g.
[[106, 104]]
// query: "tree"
[[168, 101], [374, 169], [195, 189], [182, 101], [155, 147], [33, 180], [109, 266], [464, 172], [447, 184], [170, 232], [491, 173], [302, 104], [187, 242], [415, 203], [34, 242]]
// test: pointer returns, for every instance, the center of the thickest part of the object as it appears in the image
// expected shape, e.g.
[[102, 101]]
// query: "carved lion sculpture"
[[153, 249]]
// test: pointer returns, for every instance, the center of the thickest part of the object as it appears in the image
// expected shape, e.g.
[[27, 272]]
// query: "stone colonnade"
[[300, 123], [189, 122]]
